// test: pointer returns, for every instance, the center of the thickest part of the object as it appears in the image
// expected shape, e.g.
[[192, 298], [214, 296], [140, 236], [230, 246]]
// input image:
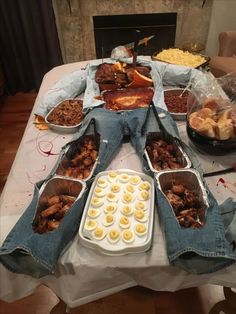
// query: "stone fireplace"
[[111, 31], [76, 29]]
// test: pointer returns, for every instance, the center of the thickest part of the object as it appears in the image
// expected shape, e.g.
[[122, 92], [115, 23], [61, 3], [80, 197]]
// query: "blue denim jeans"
[[197, 251]]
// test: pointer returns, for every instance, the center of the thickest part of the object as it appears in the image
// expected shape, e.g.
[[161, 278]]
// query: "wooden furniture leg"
[[227, 306]]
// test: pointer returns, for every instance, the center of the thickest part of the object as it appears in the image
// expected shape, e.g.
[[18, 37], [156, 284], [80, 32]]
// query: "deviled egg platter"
[[119, 212]]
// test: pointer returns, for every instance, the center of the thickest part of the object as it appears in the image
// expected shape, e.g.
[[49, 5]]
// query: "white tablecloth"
[[82, 274]]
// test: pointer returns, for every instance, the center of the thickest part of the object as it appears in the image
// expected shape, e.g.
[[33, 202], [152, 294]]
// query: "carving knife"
[[141, 42]]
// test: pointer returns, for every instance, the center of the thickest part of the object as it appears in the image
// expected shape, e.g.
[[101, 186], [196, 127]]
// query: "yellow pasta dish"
[[180, 57]]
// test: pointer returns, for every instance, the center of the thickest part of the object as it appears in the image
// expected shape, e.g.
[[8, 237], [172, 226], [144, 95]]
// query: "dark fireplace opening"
[[111, 31]]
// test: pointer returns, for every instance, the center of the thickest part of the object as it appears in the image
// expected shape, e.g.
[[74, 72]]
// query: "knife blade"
[[219, 172], [141, 41]]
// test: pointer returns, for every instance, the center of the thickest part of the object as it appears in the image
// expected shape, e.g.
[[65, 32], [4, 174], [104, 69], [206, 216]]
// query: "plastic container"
[[106, 197]]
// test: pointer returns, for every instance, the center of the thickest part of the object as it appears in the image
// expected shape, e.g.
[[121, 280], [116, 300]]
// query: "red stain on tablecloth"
[[44, 147], [228, 185]]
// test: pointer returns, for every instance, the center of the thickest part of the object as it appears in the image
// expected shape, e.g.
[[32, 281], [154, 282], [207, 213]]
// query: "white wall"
[[223, 18]]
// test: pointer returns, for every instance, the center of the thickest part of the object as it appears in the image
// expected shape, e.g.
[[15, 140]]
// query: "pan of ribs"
[[128, 98], [163, 154], [111, 76], [124, 86], [56, 196], [186, 195], [80, 159]]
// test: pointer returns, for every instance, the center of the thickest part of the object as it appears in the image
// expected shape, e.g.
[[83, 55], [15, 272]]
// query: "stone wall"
[[75, 21]]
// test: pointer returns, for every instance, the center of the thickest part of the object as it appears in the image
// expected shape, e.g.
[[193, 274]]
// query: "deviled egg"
[[127, 198], [135, 180], [108, 220], [90, 224], [130, 188], [127, 210], [110, 208], [96, 202], [140, 215], [140, 229], [140, 205], [124, 222], [145, 185], [113, 235], [102, 182], [127, 236], [124, 177], [99, 192], [99, 233], [115, 188], [143, 195], [112, 176], [112, 197], [93, 212]]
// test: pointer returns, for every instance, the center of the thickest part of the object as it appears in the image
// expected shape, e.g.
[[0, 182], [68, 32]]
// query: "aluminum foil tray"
[[118, 216], [181, 156], [191, 180], [62, 128], [56, 186], [68, 156]]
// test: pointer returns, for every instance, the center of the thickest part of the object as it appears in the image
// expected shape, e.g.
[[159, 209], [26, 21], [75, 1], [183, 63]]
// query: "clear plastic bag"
[[211, 113], [228, 84]]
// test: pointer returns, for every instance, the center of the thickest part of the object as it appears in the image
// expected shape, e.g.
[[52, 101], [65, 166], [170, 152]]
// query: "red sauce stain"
[[230, 186], [221, 180], [45, 147]]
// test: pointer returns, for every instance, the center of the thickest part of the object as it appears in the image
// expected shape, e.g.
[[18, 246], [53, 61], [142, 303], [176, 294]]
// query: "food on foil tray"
[[180, 57], [176, 100], [54, 209], [82, 163], [128, 98], [164, 155], [186, 205], [111, 76], [68, 113], [214, 120]]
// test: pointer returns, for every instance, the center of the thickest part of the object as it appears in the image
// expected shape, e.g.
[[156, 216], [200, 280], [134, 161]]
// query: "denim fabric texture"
[[30, 253], [228, 214], [197, 251]]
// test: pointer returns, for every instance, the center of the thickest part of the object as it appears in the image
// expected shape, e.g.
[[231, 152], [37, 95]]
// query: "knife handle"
[[137, 38], [135, 50]]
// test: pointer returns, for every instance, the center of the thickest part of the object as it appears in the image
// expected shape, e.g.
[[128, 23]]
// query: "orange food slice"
[[140, 80], [40, 123]]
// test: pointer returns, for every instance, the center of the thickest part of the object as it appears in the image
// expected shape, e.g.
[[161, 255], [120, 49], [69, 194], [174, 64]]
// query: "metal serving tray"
[[69, 153], [191, 180], [58, 185], [182, 157], [104, 245], [62, 128]]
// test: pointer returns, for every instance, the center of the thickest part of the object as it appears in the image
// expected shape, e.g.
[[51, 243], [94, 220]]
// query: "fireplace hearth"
[[111, 31]]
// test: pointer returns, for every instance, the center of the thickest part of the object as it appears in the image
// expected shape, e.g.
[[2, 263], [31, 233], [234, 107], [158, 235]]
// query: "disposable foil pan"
[[69, 154], [139, 243], [58, 185], [181, 156], [191, 180], [62, 128]]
